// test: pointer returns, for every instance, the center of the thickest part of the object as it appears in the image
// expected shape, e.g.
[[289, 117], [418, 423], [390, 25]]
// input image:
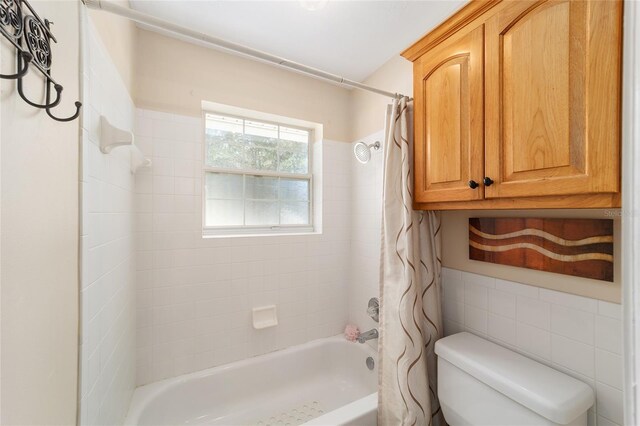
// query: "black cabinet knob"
[[473, 184], [487, 181]]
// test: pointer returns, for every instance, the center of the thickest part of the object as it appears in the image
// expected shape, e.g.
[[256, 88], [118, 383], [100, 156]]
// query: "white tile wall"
[[107, 347], [195, 294], [577, 335], [365, 224]]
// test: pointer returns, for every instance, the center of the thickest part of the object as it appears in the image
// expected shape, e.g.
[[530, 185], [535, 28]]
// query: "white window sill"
[[230, 233]]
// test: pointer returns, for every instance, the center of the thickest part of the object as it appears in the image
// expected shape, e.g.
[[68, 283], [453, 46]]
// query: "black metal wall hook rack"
[[32, 37]]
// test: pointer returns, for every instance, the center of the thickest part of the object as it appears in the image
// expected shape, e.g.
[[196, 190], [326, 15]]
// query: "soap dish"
[[265, 317]]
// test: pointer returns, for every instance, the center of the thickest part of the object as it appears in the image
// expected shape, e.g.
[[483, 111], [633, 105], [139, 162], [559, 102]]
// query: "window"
[[256, 177]]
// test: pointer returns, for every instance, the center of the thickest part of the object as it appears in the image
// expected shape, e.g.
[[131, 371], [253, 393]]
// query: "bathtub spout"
[[368, 335]]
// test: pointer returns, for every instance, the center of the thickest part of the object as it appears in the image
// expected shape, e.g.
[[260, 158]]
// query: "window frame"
[[245, 230]]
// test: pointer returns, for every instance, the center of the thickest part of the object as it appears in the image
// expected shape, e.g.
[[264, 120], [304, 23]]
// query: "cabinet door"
[[553, 98], [448, 92]]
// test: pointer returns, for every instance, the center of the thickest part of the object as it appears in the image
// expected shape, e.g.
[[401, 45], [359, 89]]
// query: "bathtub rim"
[[145, 394]]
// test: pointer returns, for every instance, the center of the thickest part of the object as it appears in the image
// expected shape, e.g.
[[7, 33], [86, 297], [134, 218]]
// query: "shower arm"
[[166, 26]]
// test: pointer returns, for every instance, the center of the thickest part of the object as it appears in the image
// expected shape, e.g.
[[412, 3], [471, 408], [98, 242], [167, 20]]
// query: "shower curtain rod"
[[167, 26]]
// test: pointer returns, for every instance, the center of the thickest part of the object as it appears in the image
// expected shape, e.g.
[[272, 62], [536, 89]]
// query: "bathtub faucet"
[[368, 335]]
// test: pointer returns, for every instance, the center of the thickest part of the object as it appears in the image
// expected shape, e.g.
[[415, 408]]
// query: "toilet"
[[481, 383]]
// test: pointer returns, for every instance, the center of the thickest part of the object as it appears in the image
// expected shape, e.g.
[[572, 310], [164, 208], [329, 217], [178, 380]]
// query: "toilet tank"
[[481, 383]]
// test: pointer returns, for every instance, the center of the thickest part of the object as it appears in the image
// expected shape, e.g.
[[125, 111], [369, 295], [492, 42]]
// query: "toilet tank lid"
[[548, 392]]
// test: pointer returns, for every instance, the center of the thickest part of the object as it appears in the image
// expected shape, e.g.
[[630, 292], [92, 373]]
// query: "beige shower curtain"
[[410, 320]]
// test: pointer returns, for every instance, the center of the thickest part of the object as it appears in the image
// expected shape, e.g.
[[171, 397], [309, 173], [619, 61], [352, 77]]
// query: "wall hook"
[[25, 60], [73, 117], [47, 105], [32, 37]]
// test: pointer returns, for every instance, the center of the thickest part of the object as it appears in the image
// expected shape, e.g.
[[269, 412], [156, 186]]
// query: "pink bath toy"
[[351, 332]]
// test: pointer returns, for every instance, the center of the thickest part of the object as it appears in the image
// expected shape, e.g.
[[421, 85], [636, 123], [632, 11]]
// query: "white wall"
[[366, 216], [39, 175], [195, 294], [576, 335], [630, 207], [107, 361]]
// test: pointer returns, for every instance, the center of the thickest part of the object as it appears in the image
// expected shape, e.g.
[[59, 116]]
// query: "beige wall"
[[367, 110], [118, 35], [175, 76], [455, 253], [39, 257]]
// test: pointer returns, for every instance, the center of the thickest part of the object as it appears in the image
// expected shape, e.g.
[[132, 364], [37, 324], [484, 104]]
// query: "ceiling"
[[345, 37]]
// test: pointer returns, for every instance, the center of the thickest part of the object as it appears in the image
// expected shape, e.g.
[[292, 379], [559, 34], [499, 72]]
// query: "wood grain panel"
[[579, 247], [550, 129], [536, 90], [589, 201], [604, 86], [448, 134], [446, 94]]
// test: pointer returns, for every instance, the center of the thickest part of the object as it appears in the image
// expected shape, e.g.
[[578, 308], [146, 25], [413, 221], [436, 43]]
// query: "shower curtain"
[[410, 319]]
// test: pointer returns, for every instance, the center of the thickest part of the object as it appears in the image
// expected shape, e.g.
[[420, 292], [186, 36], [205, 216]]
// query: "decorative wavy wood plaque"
[[579, 247]]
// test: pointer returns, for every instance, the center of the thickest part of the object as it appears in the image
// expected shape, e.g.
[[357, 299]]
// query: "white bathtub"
[[324, 382]]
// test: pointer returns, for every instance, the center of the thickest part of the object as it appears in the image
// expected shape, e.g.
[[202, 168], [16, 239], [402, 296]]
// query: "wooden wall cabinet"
[[451, 97], [517, 105]]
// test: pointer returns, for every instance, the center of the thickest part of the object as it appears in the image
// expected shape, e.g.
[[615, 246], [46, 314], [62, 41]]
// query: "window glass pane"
[[261, 153], [295, 135], [262, 188], [261, 212], [234, 143], [294, 213], [301, 147], [224, 186], [294, 162], [224, 213], [294, 150], [261, 142], [294, 189], [252, 147], [225, 150], [223, 124], [257, 128]]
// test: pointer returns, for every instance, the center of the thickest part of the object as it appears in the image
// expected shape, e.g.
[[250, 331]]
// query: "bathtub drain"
[[370, 363]]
